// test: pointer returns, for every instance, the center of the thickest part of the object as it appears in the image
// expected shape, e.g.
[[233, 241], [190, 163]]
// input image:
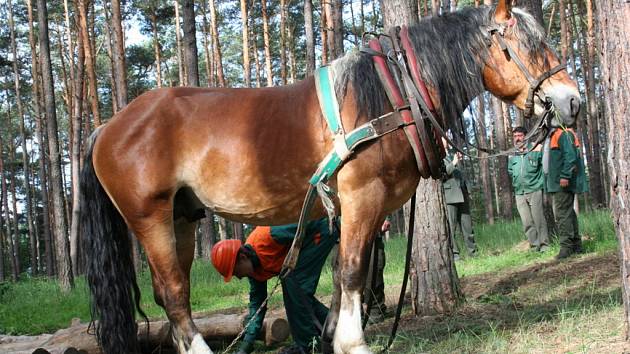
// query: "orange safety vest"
[[555, 138], [270, 253]]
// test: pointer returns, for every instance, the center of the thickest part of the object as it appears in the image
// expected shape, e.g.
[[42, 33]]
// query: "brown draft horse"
[[247, 154]]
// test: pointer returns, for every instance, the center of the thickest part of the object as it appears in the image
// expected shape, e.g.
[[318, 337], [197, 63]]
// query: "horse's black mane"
[[452, 49]]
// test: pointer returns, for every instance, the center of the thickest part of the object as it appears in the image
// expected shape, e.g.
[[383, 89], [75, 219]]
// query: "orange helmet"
[[224, 257]]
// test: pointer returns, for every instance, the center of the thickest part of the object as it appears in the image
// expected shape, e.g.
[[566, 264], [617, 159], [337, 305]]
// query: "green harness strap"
[[344, 145]]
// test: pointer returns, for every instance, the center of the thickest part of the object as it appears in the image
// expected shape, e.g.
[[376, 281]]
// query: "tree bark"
[[613, 25], [89, 60], [15, 269], [39, 130], [64, 268], [310, 37], [484, 164], [223, 229], [207, 236], [190, 43], [25, 155], [118, 53], [217, 44], [283, 41], [338, 30], [178, 39], [595, 176], [257, 65], [247, 71], [504, 193], [15, 238], [206, 43], [434, 282], [324, 32], [156, 49], [77, 124], [267, 42]]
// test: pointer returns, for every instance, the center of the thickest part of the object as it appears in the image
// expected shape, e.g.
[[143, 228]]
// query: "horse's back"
[[244, 152]]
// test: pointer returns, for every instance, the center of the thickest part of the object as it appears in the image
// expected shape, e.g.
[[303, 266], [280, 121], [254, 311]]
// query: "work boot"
[[577, 248], [544, 248], [376, 317], [564, 253]]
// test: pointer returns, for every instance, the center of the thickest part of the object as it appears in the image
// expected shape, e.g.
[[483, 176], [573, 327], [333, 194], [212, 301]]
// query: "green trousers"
[[530, 208], [306, 314], [459, 217], [566, 221]]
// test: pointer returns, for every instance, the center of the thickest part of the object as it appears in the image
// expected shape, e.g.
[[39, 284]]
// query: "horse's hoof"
[[362, 349], [357, 349], [199, 346]]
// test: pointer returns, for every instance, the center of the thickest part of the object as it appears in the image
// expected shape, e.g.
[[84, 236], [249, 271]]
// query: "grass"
[[517, 301]]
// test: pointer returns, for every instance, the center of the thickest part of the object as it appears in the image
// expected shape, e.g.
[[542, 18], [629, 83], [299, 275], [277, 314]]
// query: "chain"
[[275, 287]]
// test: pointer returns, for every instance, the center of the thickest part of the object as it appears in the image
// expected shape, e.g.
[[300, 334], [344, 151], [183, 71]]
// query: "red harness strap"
[[395, 96]]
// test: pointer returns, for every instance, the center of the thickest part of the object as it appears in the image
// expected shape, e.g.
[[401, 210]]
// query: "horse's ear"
[[503, 11]]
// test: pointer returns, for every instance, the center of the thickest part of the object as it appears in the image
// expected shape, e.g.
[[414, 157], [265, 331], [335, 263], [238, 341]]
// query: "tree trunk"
[[206, 43], [283, 41], [207, 236], [267, 42], [118, 53], [237, 231], [89, 60], [504, 193], [595, 176], [25, 156], [77, 123], [338, 30], [178, 39], [9, 229], [190, 43], [484, 164], [217, 44], [247, 71], [324, 32], [15, 239], [156, 49], [258, 66], [310, 37], [434, 282], [613, 24], [435, 7], [223, 229], [564, 33], [64, 268]]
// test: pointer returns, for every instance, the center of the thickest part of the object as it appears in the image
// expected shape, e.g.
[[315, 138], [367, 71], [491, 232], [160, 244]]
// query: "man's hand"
[[564, 182], [457, 157], [386, 225]]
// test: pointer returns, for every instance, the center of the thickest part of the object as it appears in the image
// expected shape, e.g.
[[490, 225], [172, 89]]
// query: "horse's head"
[[522, 69]]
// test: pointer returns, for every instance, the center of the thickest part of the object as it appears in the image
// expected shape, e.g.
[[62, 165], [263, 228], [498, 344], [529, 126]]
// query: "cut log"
[[216, 329]]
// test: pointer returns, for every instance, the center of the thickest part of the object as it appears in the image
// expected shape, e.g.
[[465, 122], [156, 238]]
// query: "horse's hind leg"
[[170, 248]]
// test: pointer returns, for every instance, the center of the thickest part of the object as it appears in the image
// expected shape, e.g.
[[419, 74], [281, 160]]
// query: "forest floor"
[[515, 301]]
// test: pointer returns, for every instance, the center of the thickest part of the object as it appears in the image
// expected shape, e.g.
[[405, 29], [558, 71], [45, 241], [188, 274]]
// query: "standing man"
[[261, 258], [526, 171], [458, 203], [564, 178]]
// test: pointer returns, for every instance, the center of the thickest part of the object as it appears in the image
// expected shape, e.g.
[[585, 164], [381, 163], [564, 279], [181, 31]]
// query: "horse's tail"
[[109, 264]]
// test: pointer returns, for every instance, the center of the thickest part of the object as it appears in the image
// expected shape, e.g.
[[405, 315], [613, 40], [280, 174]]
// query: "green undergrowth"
[[519, 311]]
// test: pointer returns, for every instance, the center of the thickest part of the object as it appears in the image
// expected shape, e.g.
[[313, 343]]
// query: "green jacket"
[[284, 235], [565, 161], [526, 172], [454, 183]]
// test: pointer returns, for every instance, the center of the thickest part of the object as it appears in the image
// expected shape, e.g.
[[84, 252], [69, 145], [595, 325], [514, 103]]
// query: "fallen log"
[[217, 329]]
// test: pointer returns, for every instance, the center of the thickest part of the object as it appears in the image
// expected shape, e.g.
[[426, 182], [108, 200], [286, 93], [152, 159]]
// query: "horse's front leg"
[[328, 332], [361, 216]]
